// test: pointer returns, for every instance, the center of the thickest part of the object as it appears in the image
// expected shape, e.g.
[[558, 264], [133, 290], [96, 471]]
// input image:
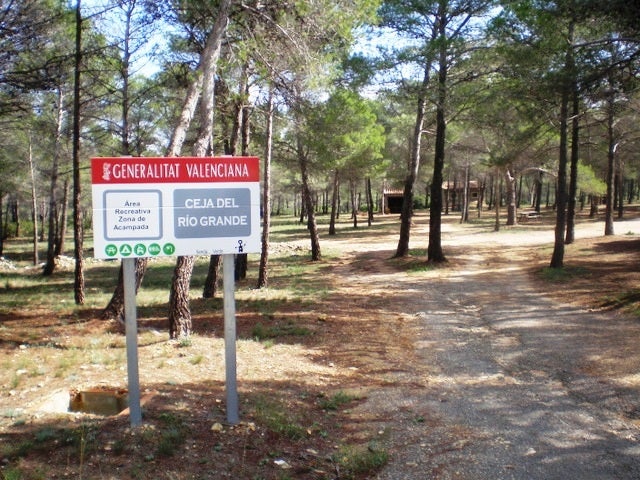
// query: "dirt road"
[[504, 383]]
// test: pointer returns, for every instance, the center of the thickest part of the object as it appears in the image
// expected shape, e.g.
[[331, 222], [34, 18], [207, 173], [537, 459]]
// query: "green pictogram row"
[[139, 249]]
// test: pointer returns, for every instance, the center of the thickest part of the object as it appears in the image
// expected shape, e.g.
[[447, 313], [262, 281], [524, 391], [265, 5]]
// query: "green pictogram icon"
[[154, 249], [111, 250], [140, 249], [169, 248], [125, 250]]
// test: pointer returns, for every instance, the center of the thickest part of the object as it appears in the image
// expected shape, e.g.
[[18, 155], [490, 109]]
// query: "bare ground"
[[484, 368]]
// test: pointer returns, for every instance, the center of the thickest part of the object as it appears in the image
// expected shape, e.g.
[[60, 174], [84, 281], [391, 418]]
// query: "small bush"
[[336, 401], [354, 461], [172, 435], [261, 332], [277, 418]]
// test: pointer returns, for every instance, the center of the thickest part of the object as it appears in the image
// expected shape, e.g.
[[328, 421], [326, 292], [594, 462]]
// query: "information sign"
[[156, 206]]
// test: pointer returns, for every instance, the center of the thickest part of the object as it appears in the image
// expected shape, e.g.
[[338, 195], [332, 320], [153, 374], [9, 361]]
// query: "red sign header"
[[119, 170]]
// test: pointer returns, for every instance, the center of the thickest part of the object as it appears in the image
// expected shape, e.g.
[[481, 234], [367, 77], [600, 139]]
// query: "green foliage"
[[355, 461], [12, 474], [559, 275], [261, 332], [345, 134], [588, 182], [277, 417], [339, 399], [172, 435], [627, 300]]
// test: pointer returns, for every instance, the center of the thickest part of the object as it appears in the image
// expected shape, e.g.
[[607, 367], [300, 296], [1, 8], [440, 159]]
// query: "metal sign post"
[[131, 326], [228, 277]]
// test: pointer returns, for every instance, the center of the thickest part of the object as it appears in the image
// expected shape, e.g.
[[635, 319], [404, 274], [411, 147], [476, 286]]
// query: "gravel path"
[[500, 386]]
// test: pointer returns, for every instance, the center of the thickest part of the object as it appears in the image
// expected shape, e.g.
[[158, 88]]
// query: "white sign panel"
[[147, 207]]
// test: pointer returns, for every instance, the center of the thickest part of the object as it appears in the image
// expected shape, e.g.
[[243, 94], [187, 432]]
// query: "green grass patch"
[[262, 332], [172, 435], [12, 473], [81, 440], [357, 460], [559, 275], [197, 360], [337, 400], [278, 418], [628, 300]]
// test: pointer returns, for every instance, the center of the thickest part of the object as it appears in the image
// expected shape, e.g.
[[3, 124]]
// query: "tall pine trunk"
[[179, 309], [611, 153], [434, 249], [78, 230], [34, 203], [620, 184], [557, 258], [53, 249], [334, 202], [263, 272], [406, 214], [61, 231], [211, 282], [369, 201], [354, 203], [573, 169], [496, 201], [307, 201], [115, 308], [2, 225], [464, 211], [511, 198]]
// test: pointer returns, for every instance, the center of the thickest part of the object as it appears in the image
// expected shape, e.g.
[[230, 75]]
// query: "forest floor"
[[490, 366]]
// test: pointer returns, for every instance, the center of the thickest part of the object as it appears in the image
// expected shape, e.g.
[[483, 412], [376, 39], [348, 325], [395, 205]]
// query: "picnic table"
[[528, 215]]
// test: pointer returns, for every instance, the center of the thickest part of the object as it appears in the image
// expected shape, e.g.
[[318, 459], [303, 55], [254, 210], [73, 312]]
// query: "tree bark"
[[608, 216], [179, 309], [308, 203], [573, 169], [34, 204], [369, 201], [263, 269], [434, 249], [78, 231], [334, 202], [620, 184], [464, 211], [52, 246], [240, 266], [211, 282], [406, 214], [180, 325], [537, 200], [313, 227], [354, 203], [496, 201], [511, 198], [61, 231], [557, 258], [115, 308], [2, 225]]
